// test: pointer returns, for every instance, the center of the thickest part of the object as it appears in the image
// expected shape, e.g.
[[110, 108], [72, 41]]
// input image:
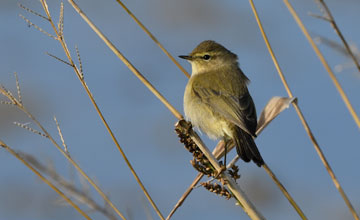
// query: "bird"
[[218, 102]]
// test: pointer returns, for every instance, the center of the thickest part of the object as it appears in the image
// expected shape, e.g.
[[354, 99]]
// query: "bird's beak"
[[186, 57]]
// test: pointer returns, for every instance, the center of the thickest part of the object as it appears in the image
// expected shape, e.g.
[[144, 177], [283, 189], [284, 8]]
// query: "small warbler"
[[217, 100]]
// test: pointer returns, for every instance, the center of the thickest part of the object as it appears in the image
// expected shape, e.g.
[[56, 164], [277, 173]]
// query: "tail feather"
[[246, 147]]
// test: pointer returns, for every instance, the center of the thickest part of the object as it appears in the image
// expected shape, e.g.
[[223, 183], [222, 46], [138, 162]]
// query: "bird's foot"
[[222, 169]]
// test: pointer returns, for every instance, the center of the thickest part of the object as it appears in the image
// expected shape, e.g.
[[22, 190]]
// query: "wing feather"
[[240, 110]]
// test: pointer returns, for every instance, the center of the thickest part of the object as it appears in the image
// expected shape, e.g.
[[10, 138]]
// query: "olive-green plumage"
[[217, 100]]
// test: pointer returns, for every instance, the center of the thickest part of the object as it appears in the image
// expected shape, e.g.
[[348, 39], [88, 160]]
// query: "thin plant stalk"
[[80, 76], [44, 179], [343, 95], [198, 178], [329, 17], [324, 63], [60, 38], [142, 26], [284, 191], [234, 188], [126, 62], [300, 114]]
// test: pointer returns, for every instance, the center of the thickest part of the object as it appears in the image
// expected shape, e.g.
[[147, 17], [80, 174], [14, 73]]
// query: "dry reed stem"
[[142, 78], [185, 195], [63, 44], [299, 112], [343, 95], [248, 207], [12, 152], [126, 62], [331, 19], [285, 192], [142, 26], [325, 64]]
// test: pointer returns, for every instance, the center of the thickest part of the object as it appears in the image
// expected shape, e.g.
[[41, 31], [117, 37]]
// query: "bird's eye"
[[206, 57]]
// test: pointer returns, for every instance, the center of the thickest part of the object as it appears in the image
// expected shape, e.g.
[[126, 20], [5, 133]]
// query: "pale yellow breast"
[[203, 117]]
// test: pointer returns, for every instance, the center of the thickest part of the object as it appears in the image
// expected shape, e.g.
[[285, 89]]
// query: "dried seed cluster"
[[202, 164], [217, 189], [200, 161]]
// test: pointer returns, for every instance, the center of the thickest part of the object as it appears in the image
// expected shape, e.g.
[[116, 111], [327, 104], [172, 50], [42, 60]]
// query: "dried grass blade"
[[59, 59]]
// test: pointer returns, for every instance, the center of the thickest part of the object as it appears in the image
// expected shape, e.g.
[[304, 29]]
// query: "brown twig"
[[297, 108]]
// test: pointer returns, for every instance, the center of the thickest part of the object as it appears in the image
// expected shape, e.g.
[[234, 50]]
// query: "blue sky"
[[144, 127]]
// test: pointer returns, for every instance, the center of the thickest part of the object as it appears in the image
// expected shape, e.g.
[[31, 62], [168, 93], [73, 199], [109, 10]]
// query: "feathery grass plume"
[[44, 179], [342, 50], [327, 16], [79, 194], [326, 66]]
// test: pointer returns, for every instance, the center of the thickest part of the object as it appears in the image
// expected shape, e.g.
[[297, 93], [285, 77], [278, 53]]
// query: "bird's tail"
[[246, 147]]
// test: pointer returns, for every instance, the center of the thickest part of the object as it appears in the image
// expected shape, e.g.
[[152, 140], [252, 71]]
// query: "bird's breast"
[[202, 116]]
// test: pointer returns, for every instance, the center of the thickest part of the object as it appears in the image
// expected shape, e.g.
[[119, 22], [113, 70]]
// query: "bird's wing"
[[239, 110]]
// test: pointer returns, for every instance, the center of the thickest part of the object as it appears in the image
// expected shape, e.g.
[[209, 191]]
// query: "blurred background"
[[145, 128]]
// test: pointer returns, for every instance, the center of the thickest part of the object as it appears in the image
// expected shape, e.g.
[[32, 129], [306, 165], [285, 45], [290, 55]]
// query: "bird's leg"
[[227, 142], [225, 152], [223, 163]]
